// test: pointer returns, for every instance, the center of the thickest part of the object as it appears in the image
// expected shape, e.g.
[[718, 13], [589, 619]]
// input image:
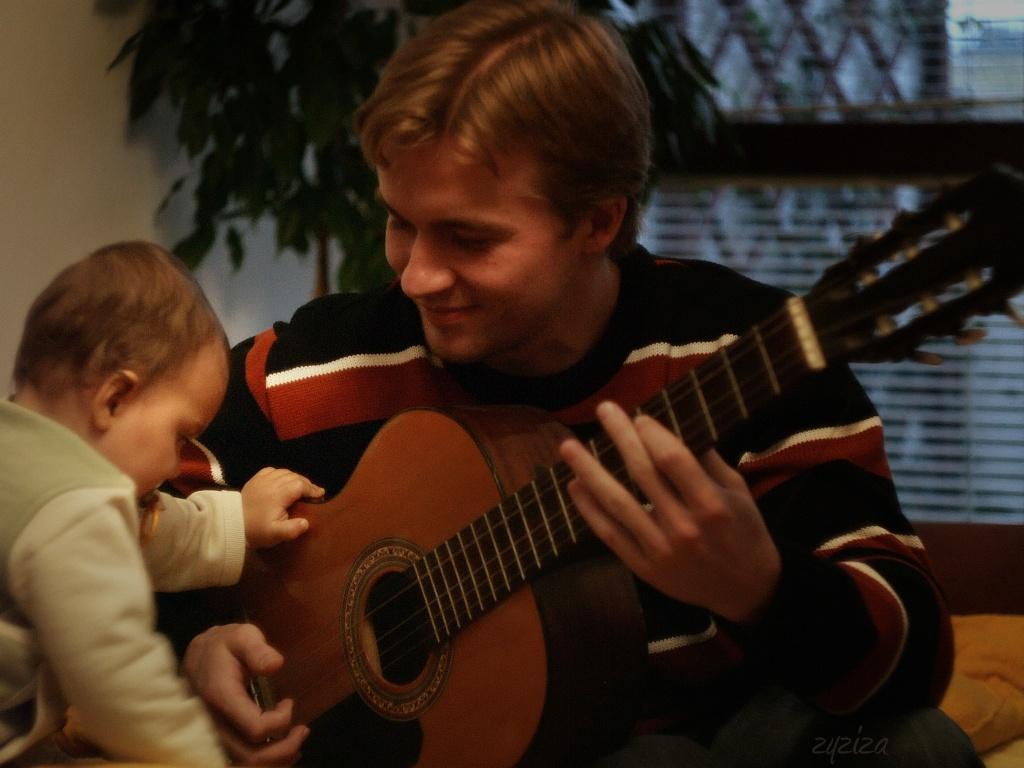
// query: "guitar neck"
[[738, 379], [532, 529]]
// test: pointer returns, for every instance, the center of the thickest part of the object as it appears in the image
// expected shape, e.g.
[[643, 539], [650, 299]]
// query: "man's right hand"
[[218, 664]]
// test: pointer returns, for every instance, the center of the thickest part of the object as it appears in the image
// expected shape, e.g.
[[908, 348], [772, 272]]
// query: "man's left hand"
[[702, 539]]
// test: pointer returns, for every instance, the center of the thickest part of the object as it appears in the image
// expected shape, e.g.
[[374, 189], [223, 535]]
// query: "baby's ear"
[[112, 393]]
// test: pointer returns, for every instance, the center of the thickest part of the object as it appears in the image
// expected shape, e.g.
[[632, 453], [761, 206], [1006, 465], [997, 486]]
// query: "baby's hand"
[[265, 501]]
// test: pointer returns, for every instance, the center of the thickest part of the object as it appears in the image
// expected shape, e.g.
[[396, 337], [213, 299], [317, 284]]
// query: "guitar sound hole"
[[401, 626]]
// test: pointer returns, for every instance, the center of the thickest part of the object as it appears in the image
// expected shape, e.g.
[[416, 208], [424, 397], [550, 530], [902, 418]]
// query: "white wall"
[[74, 176]]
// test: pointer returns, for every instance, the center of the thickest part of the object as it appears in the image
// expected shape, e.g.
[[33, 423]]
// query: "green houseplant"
[[264, 93]]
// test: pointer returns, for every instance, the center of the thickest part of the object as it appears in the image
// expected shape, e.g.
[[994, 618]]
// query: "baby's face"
[[150, 429]]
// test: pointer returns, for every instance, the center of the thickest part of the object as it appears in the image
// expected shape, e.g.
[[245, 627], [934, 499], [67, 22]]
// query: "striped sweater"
[[857, 618]]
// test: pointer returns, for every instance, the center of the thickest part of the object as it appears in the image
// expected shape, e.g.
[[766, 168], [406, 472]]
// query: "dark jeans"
[[775, 729]]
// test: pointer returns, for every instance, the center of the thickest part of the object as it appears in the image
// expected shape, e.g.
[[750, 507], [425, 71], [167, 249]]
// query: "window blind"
[[954, 433]]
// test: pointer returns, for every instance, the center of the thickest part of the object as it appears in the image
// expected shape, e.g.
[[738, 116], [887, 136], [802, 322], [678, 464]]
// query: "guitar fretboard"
[[530, 530]]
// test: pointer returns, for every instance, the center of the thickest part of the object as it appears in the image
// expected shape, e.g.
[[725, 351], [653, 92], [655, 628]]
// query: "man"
[[511, 141]]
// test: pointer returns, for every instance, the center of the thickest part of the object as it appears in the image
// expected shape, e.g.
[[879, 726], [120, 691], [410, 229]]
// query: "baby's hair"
[[127, 306]]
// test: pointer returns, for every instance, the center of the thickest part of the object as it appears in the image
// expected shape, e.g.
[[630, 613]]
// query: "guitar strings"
[[500, 552], [657, 410], [556, 525], [771, 328]]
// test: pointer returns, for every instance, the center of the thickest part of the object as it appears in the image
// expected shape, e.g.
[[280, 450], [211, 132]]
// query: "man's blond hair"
[[501, 75], [127, 306]]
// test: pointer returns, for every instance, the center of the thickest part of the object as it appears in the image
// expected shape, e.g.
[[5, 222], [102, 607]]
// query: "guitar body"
[[550, 675]]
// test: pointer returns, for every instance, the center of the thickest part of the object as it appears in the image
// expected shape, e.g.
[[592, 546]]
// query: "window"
[[880, 60]]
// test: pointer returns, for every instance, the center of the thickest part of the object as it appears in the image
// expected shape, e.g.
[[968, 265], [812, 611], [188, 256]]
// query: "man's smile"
[[441, 316]]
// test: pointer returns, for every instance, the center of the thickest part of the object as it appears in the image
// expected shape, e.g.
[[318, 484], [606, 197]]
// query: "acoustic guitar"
[[466, 591]]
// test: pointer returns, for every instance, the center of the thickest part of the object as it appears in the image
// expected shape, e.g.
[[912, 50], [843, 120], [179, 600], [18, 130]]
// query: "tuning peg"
[[867, 277], [928, 358], [1014, 314], [953, 222], [969, 336], [928, 302], [972, 279], [885, 325], [911, 251]]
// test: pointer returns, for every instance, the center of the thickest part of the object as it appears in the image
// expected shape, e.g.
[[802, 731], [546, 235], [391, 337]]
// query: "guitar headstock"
[[934, 269]]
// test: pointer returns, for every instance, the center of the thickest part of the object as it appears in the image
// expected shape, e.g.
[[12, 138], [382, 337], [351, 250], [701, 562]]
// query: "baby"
[[121, 363]]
